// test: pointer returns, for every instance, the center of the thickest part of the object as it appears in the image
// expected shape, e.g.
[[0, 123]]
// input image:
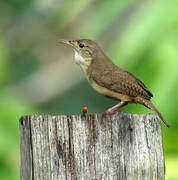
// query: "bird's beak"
[[69, 42]]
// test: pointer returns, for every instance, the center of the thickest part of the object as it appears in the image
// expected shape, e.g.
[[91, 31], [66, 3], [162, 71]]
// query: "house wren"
[[108, 79]]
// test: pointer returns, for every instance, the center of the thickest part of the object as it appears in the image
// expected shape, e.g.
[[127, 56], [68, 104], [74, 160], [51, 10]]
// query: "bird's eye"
[[81, 45]]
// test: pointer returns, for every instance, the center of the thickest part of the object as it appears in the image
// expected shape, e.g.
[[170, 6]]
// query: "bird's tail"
[[150, 105]]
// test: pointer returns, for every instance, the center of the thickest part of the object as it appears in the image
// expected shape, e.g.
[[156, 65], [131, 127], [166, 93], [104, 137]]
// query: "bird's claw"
[[108, 112]]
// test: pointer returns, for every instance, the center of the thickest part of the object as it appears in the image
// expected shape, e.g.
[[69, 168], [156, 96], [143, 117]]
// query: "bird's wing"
[[141, 84], [122, 82]]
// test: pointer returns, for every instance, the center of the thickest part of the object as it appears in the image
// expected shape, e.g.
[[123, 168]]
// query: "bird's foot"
[[110, 112]]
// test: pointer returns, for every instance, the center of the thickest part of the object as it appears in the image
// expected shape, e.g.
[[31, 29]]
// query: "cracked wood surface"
[[118, 147]]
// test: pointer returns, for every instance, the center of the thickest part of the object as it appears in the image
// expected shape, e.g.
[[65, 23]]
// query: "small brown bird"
[[108, 79]]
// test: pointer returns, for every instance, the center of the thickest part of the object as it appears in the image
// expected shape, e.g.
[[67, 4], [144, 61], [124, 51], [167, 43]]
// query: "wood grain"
[[118, 147]]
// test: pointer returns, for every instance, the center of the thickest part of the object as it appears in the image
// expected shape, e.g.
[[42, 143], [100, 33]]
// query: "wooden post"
[[117, 147]]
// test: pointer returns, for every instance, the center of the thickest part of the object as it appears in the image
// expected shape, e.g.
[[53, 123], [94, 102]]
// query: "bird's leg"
[[114, 109]]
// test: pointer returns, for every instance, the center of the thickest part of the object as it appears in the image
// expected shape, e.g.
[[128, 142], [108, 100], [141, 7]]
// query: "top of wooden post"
[[123, 146]]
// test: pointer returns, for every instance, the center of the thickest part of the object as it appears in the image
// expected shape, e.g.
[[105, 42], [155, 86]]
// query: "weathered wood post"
[[118, 147]]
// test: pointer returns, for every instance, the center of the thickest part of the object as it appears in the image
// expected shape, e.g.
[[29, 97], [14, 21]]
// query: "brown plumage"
[[114, 78], [110, 80]]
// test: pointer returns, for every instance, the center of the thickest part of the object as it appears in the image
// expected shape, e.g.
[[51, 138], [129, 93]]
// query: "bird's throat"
[[78, 58], [84, 64]]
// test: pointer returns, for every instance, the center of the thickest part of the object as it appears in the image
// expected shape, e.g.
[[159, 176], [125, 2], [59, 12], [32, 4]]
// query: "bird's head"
[[85, 50]]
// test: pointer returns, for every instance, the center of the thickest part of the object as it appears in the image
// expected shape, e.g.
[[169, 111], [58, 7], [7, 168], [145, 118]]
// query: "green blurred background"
[[38, 75]]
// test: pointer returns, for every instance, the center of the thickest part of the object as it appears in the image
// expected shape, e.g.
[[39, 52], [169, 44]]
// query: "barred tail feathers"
[[150, 105]]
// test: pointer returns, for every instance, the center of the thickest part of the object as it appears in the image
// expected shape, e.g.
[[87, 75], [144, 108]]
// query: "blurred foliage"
[[39, 76]]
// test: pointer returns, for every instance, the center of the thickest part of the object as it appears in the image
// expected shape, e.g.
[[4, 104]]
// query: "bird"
[[108, 79]]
